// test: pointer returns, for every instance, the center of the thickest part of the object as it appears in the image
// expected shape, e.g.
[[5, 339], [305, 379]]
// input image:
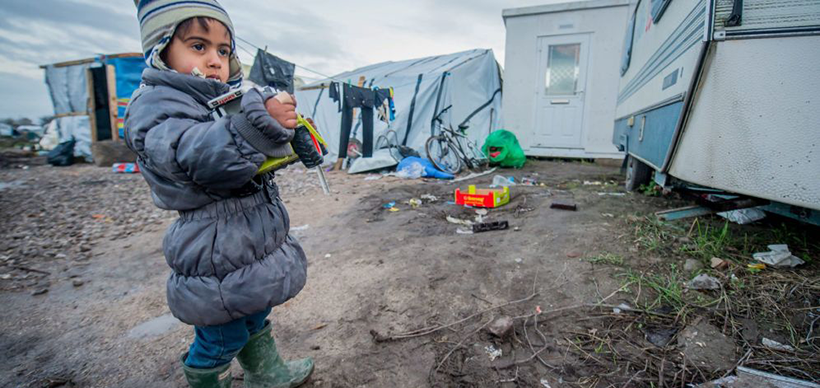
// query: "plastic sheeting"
[[67, 87], [466, 80], [79, 128], [128, 72]]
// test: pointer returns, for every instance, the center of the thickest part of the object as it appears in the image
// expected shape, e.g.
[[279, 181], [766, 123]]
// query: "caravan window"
[[627, 54], [658, 6]]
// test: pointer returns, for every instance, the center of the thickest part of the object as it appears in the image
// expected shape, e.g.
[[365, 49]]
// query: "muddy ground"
[[82, 285]]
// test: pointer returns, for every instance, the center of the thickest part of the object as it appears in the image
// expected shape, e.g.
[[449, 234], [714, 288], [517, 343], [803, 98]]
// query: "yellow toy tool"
[[276, 163], [229, 104]]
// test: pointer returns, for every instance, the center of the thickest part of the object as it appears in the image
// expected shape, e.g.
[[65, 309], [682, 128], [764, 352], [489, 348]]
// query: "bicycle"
[[450, 151]]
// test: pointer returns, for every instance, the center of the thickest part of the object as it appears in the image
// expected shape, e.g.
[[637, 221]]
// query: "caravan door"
[[562, 65]]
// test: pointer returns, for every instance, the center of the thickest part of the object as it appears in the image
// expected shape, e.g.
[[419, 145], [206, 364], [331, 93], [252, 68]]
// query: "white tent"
[[468, 82]]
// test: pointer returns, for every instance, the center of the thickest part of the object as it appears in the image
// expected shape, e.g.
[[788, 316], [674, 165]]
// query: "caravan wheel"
[[637, 173]]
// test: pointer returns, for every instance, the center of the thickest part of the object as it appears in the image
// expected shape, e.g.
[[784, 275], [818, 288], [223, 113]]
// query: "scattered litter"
[[608, 215], [744, 216], [516, 229], [389, 205], [500, 180], [593, 183], [493, 352], [373, 177], [393, 209], [501, 326], [451, 202], [545, 383], [563, 205], [771, 344], [413, 167], [519, 260], [727, 381], [429, 197], [463, 231], [410, 171], [475, 175], [414, 202], [300, 228], [488, 226], [778, 257], [718, 263], [481, 212], [613, 194], [125, 168], [327, 256], [621, 307], [756, 266], [5, 276], [459, 221], [529, 181], [703, 282]]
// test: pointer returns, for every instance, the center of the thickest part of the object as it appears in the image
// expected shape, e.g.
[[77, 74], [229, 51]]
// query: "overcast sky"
[[323, 35]]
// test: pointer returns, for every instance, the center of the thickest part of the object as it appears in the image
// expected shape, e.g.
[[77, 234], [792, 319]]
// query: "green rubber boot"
[[219, 377], [265, 369]]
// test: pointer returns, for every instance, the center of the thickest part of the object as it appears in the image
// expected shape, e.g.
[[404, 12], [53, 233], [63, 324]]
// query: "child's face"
[[208, 50]]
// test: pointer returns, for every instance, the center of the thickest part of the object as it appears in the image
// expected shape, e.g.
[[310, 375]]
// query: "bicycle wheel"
[[443, 155]]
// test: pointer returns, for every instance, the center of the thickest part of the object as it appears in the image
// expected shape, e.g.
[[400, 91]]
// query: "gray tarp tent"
[[470, 81]]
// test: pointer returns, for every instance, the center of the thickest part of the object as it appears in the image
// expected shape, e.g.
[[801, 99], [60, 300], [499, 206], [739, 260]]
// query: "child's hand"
[[283, 109]]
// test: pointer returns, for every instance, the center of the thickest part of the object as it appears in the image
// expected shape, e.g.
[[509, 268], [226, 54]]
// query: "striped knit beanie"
[[160, 18]]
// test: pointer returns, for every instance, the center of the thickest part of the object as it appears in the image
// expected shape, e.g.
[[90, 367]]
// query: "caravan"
[[724, 94]]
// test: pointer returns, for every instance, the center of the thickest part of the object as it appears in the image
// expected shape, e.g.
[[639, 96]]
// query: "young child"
[[231, 256]]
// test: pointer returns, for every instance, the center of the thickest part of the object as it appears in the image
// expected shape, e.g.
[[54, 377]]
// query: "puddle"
[[154, 327], [10, 185]]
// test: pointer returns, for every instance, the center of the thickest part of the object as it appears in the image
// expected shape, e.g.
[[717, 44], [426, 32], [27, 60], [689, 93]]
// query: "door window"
[[562, 69]]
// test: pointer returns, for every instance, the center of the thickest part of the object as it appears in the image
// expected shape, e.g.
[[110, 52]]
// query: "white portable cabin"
[[724, 94], [561, 77]]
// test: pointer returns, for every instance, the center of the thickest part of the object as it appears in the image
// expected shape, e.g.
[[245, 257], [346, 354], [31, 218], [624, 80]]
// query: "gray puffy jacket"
[[230, 251]]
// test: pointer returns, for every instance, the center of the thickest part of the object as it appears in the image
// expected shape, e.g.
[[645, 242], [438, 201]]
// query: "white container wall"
[[561, 77]]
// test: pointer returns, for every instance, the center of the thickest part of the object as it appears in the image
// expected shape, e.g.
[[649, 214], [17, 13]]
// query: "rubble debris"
[[501, 326], [779, 256], [459, 221], [429, 197], [772, 344], [743, 216], [493, 352], [488, 226], [563, 205], [703, 282], [718, 263]]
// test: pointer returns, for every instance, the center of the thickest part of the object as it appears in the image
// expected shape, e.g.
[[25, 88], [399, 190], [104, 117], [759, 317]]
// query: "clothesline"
[[301, 67]]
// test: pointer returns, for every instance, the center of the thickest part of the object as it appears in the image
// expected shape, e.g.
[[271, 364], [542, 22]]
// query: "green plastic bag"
[[502, 148]]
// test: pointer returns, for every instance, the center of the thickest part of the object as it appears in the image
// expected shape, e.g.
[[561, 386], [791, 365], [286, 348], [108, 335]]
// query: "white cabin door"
[[561, 81]]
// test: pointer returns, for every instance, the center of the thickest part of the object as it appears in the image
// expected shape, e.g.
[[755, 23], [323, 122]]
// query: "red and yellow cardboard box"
[[483, 197]]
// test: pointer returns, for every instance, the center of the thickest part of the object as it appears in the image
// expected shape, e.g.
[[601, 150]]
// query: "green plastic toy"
[[503, 149]]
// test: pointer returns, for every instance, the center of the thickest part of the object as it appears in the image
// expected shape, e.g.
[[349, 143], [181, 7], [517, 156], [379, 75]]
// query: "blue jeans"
[[218, 345]]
